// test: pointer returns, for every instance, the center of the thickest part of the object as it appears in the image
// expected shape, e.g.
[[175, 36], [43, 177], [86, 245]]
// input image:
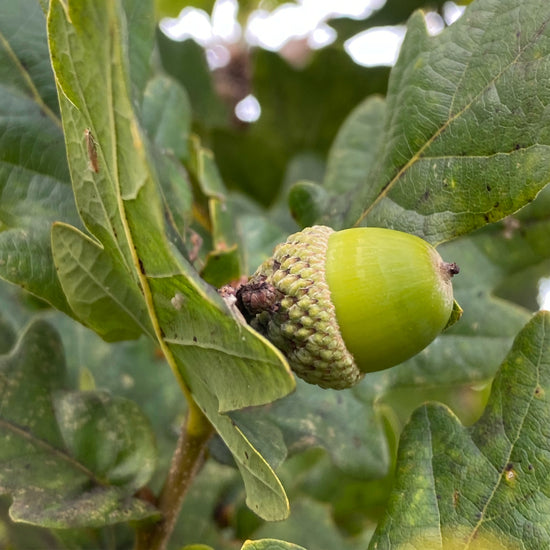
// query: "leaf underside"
[[224, 363]]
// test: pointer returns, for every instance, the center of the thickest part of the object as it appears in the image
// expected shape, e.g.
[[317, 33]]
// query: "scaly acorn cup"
[[341, 304]]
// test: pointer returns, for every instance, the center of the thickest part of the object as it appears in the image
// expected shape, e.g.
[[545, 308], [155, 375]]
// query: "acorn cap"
[[340, 304], [303, 323]]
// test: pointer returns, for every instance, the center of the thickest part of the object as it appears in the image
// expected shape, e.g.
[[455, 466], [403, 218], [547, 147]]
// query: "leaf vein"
[[220, 349], [389, 186], [512, 442], [48, 447], [28, 81]]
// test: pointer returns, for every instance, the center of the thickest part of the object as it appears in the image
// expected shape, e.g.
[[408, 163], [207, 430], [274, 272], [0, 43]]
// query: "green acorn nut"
[[340, 304]]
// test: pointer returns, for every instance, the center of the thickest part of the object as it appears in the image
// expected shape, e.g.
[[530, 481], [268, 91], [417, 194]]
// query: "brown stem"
[[187, 461], [453, 269]]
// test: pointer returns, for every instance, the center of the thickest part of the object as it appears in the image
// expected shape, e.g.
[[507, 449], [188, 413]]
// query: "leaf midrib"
[[29, 82], [389, 186], [49, 448], [89, 117], [481, 519]]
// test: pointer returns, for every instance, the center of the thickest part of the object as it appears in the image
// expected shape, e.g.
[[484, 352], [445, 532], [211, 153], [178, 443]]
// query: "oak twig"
[[187, 461]]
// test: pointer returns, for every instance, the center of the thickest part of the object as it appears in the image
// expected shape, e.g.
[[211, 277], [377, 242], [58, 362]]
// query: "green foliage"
[[483, 486], [129, 194], [464, 143], [69, 458], [291, 122], [121, 208], [269, 544]]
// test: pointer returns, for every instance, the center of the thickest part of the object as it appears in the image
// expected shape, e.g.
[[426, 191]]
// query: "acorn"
[[340, 304]]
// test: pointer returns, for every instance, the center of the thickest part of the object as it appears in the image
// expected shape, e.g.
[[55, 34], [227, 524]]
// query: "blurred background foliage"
[[304, 87]]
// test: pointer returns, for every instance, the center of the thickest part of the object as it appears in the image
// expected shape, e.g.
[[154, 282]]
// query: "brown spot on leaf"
[[456, 496]]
